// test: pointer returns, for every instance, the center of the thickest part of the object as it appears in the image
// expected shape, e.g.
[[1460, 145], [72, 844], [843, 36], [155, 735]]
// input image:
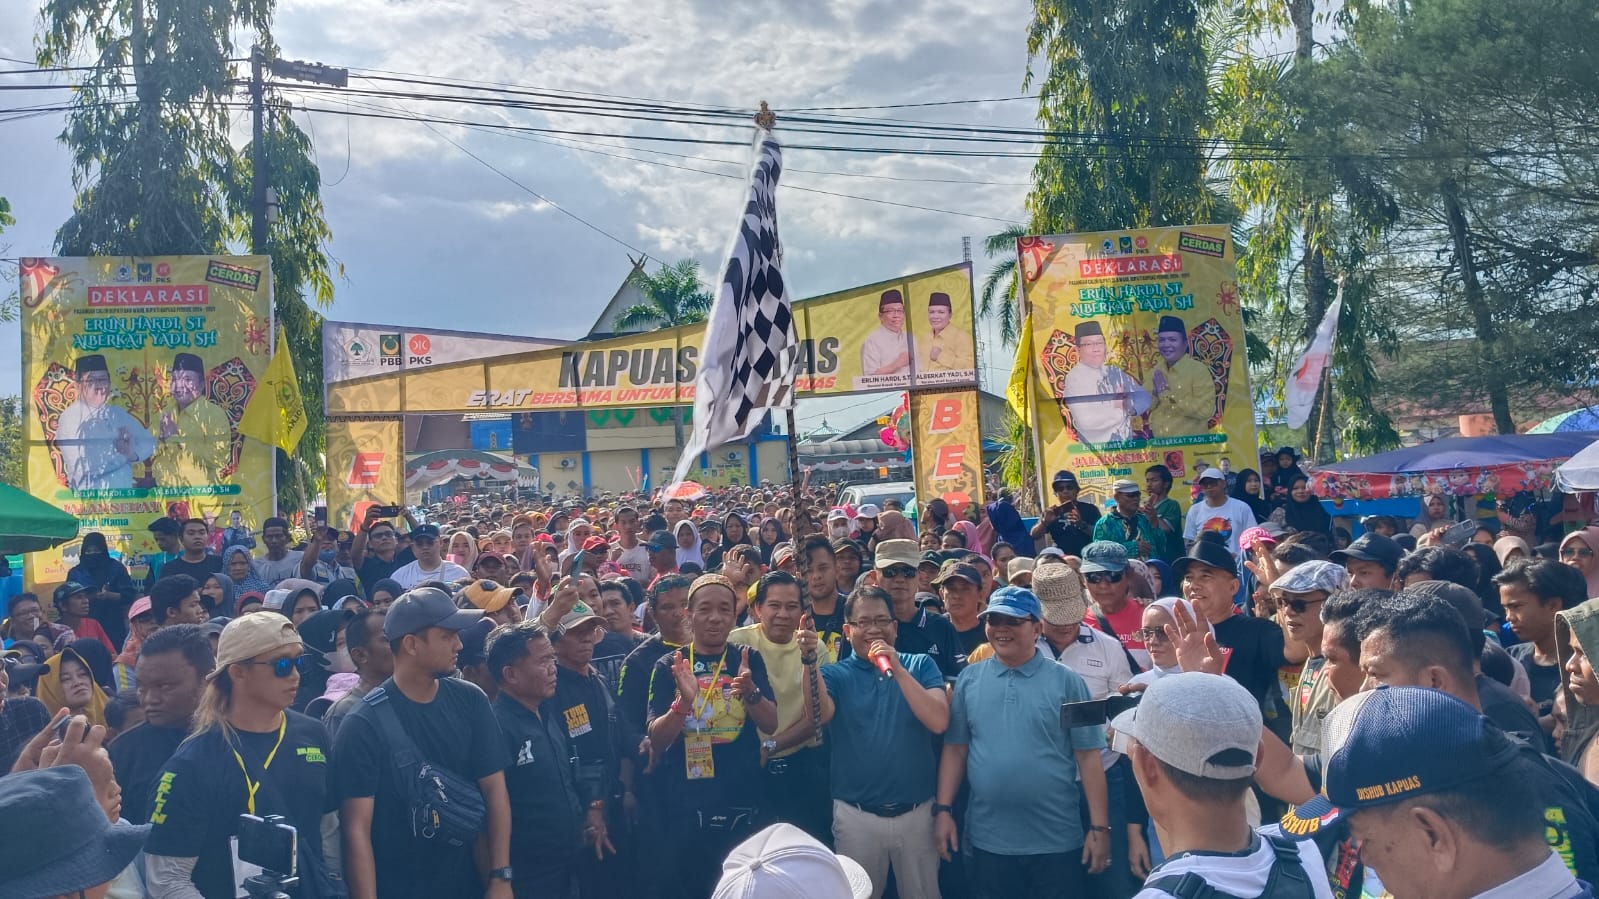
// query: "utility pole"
[[263, 202]]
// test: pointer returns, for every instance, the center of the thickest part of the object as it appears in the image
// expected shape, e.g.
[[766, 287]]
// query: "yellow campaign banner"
[[1137, 353], [947, 448], [911, 332], [366, 466], [137, 370]]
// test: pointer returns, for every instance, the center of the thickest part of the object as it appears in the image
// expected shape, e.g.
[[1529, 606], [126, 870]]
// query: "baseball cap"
[[248, 636], [425, 531], [1252, 537], [1313, 576], [164, 525], [68, 590], [868, 511], [24, 674], [1125, 486], [784, 552], [1055, 551], [784, 862], [1371, 548], [474, 644], [961, 571], [1017, 602], [141, 606], [1187, 720], [661, 541], [1211, 474], [896, 552], [321, 630], [424, 607], [1060, 594], [845, 544], [1104, 555], [595, 543], [1396, 743], [1063, 477], [838, 515], [488, 595], [580, 615], [1017, 566], [1206, 552]]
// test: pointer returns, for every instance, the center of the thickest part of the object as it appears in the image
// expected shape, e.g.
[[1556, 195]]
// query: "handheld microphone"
[[880, 659]]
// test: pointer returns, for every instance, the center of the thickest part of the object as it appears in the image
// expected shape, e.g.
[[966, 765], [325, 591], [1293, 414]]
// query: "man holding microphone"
[[884, 774]]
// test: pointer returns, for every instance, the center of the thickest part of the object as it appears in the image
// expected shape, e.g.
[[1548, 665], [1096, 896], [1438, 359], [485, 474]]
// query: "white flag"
[[751, 351], [1300, 390]]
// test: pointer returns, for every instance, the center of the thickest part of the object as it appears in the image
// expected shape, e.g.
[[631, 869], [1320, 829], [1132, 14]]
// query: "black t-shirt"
[[933, 636], [138, 756], [589, 715], [200, 570], [611, 652], [830, 629], [457, 731], [968, 641], [633, 681], [1071, 539], [374, 569], [1545, 679], [735, 780], [201, 793], [546, 810], [1503, 707], [1257, 652]]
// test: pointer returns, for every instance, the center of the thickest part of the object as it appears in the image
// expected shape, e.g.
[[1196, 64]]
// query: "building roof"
[[627, 296]]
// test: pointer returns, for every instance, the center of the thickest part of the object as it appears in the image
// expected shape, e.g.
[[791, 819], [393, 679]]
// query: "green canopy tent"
[[29, 525]]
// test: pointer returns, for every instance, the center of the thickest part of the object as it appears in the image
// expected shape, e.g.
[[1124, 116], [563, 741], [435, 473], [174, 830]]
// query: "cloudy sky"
[[429, 236]]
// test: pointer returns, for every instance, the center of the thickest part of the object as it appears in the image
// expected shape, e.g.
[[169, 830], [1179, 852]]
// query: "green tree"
[[13, 451], [155, 171], [674, 297], [998, 299]]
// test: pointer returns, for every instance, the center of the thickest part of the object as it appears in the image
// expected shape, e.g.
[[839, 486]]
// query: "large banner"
[[366, 465], [947, 448], [1137, 353], [136, 371], [910, 332]]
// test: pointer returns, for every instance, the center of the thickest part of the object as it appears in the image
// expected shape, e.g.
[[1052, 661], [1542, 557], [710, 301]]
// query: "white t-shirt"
[[1231, 518], [1240, 875], [1099, 660], [409, 576], [636, 562]]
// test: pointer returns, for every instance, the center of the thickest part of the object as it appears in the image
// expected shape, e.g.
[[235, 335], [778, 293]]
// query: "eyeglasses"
[[873, 624], [1103, 577], [999, 620], [1298, 606], [1576, 552], [1132, 493], [280, 667], [900, 572], [1147, 635]]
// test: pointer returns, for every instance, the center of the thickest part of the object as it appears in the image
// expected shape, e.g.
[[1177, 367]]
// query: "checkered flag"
[[751, 351]]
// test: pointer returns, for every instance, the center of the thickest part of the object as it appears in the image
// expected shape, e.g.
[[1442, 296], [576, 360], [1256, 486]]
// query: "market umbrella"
[[1580, 472], [1498, 464], [29, 525], [688, 491], [1586, 419]]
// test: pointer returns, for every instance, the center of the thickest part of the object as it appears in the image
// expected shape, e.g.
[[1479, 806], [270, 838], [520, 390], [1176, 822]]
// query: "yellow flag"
[[276, 415], [1021, 370]]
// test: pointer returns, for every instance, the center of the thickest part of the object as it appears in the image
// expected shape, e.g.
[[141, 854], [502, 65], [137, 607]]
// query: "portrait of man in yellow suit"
[[945, 348], [1184, 391], [194, 433]]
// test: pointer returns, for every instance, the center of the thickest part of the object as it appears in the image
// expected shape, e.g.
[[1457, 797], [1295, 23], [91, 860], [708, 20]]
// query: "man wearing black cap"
[[99, 441], [429, 564], [452, 727], [886, 352], [1371, 561], [944, 348], [1185, 393], [1070, 523], [1102, 398], [1254, 645], [196, 435]]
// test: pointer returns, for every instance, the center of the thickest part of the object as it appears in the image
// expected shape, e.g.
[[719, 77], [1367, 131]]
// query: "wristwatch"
[[943, 808], [769, 745], [501, 874]]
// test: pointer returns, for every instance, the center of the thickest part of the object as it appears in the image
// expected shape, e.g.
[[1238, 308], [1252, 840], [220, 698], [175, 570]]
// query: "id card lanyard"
[[254, 785], [704, 699]]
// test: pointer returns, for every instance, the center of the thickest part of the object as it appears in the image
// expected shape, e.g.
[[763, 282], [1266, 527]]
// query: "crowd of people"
[[758, 693]]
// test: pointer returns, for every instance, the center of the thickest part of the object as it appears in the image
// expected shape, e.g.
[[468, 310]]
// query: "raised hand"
[[806, 636], [688, 686], [744, 684], [1197, 649], [880, 648]]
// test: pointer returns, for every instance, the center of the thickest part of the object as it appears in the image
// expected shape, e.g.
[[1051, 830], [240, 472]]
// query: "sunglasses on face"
[[280, 667], [1103, 577], [899, 572], [1147, 635], [1298, 606], [999, 620]]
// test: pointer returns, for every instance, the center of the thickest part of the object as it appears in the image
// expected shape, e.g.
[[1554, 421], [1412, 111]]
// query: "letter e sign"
[[950, 462]]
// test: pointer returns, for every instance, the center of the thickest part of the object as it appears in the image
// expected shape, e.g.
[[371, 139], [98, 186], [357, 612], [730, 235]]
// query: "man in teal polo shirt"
[[883, 768], [1023, 823]]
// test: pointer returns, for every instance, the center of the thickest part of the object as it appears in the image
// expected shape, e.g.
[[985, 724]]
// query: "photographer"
[[248, 755]]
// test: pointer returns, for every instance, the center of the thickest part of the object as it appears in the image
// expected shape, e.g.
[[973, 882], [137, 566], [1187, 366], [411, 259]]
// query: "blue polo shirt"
[[882, 755], [1019, 760]]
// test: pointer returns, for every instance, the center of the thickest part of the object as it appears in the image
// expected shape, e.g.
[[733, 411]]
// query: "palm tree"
[[675, 297], [999, 297]]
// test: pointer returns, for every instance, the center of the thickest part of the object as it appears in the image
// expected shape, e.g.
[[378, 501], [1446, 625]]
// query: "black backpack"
[[1287, 880], [443, 806]]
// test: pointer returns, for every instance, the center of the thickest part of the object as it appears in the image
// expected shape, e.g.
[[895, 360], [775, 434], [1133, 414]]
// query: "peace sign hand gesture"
[[744, 684]]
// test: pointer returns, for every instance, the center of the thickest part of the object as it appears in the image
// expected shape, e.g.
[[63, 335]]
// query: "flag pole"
[[766, 120]]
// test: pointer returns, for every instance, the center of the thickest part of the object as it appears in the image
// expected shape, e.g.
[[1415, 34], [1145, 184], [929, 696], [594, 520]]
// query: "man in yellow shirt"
[[1185, 393], [794, 757], [195, 434], [945, 348]]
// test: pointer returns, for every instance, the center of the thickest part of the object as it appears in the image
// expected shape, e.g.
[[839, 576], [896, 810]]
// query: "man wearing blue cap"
[[1185, 393], [1023, 822]]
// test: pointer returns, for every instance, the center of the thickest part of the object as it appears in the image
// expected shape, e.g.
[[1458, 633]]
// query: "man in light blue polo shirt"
[[883, 767], [1023, 823]]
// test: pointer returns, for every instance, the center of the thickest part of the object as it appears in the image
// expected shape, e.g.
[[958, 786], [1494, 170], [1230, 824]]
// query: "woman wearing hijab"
[[1007, 525], [735, 530], [1576, 641], [968, 532], [1282, 480], [141, 624], [1304, 511], [770, 535], [71, 684], [111, 590], [1251, 491], [236, 564], [1509, 549], [688, 544], [935, 517], [1580, 550], [218, 594], [892, 525]]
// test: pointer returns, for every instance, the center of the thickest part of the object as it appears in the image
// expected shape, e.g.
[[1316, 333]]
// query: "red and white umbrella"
[[688, 491]]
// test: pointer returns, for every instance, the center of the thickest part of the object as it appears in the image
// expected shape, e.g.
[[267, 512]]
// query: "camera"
[[1095, 711], [272, 846]]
